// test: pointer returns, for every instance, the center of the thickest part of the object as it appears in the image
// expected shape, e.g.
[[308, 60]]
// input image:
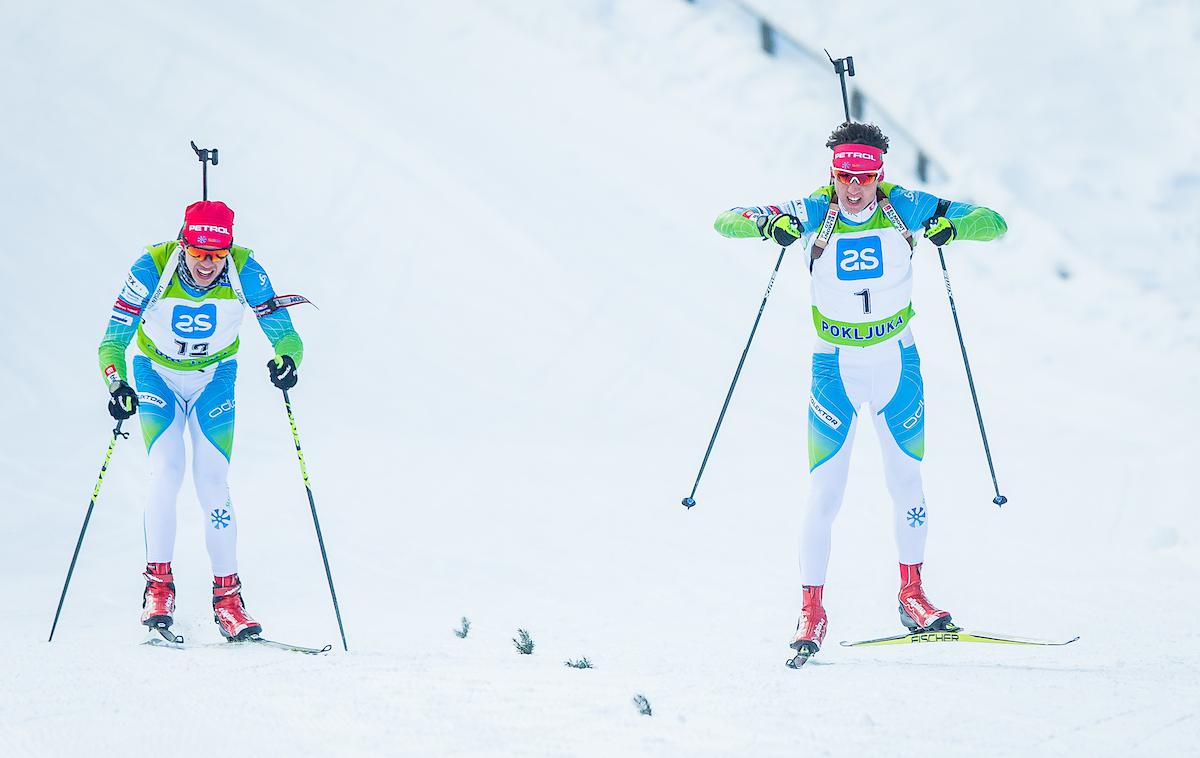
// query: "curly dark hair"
[[859, 134]]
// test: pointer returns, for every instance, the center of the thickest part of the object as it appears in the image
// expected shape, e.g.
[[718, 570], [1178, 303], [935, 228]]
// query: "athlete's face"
[[858, 194], [206, 269]]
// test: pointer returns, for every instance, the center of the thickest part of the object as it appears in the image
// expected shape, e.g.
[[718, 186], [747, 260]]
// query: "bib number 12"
[[192, 350]]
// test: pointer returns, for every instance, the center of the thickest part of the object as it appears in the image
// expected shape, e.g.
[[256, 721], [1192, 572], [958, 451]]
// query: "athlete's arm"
[[751, 221], [277, 325], [125, 316], [971, 222]]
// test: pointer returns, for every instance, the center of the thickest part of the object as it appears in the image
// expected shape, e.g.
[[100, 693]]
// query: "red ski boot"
[[158, 601], [229, 611], [810, 629], [916, 612]]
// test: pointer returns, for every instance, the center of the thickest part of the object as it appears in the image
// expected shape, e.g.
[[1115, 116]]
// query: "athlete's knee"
[[211, 482], [166, 472], [905, 474], [824, 500]]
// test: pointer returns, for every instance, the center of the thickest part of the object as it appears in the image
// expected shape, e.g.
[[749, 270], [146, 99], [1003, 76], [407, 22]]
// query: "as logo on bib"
[[194, 322], [859, 258]]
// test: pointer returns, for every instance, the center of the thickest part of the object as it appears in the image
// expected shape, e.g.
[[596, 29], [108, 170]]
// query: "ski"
[[955, 634], [264, 642], [171, 640]]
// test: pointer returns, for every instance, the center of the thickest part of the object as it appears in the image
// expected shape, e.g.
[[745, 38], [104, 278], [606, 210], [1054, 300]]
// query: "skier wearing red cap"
[[184, 300], [860, 247]]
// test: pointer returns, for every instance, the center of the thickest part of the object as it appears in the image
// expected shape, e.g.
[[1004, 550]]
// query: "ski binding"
[[166, 638], [804, 651]]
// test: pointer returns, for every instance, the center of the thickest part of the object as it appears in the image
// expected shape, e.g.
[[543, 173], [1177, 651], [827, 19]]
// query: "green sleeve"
[[112, 353], [126, 313], [980, 225], [734, 224], [285, 341]]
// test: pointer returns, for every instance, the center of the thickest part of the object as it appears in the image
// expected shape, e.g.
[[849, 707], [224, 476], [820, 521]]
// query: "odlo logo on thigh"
[[220, 518], [194, 322], [228, 405], [859, 258]]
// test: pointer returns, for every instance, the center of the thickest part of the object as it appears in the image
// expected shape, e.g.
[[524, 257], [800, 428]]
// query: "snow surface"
[[503, 210]]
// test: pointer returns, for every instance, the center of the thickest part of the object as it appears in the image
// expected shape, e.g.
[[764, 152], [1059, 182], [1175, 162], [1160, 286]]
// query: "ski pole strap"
[[164, 279], [235, 282], [278, 302], [894, 218], [818, 246], [942, 207]]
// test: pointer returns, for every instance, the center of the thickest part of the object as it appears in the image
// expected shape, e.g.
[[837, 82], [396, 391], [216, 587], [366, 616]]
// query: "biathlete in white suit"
[[860, 247], [184, 300]]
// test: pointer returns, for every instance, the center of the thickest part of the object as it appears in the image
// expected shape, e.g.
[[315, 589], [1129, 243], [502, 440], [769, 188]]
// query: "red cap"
[[208, 223], [853, 157]]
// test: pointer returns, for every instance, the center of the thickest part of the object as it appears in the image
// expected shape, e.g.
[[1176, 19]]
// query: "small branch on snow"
[[582, 663], [642, 704], [466, 629], [523, 642]]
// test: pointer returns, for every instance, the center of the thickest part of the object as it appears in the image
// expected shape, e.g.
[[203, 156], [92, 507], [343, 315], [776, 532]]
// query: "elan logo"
[[859, 258]]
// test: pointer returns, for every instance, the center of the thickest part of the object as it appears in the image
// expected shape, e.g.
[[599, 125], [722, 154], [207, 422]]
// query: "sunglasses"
[[200, 253], [862, 177]]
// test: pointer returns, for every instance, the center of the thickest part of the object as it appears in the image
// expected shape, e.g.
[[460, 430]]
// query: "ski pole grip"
[[204, 154]]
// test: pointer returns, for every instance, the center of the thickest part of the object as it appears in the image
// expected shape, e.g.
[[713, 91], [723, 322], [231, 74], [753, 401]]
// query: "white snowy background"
[[503, 209]]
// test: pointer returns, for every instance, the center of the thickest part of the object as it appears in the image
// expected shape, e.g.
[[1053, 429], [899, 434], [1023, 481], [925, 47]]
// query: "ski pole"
[[116, 433], [206, 155], [999, 499], [690, 500], [843, 67], [287, 402]]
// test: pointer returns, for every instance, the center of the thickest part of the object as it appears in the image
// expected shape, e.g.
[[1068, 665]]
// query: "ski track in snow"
[[521, 348]]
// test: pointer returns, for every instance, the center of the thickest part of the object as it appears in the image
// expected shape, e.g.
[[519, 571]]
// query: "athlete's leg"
[[831, 421], [162, 422], [900, 424], [211, 425]]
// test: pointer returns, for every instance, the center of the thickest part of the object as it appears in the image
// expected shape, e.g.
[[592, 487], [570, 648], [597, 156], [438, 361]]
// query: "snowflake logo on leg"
[[916, 517], [220, 518]]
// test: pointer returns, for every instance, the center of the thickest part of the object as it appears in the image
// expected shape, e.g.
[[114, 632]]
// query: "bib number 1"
[[865, 294]]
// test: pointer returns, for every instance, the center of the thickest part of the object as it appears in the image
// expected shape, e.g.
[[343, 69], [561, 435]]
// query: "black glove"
[[940, 231], [784, 228], [124, 401], [283, 372]]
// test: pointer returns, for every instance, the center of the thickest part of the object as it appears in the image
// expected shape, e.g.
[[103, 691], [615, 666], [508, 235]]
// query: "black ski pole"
[[999, 499], [206, 155], [843, 67], [116, 434], [312, 506], [690, 500]]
